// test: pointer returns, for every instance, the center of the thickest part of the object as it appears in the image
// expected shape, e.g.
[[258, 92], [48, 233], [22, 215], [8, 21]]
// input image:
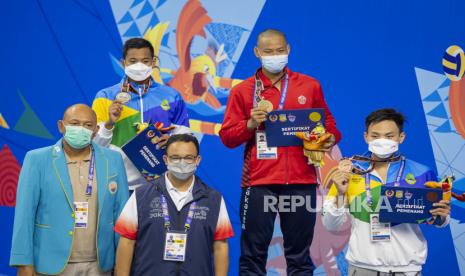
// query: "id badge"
[[81, 214], [263, 151], [379, 231], [175, 246]]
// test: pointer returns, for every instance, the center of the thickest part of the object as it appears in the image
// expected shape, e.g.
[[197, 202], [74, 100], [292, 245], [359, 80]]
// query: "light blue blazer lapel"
[[101, 163], [61, 170]]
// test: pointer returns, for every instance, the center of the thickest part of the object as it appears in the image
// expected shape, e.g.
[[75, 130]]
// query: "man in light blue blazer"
[[69, 196]]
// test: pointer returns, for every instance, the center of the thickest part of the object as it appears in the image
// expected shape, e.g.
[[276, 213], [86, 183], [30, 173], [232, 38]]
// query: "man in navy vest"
[[176, 226]]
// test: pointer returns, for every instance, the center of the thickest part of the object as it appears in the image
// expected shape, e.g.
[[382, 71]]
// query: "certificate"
[[407, 205], [281, 125], [144, 153]]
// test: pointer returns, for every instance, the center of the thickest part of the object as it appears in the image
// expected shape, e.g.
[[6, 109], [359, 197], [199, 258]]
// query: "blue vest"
[[148, 254]]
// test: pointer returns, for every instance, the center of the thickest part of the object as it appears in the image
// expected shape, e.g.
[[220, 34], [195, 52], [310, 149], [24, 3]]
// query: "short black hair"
[[186, 138], [385, 114], [137, 43]]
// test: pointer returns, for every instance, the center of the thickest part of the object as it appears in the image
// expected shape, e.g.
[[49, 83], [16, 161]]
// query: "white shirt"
[[135, 178], [179, 198], [405, 252]]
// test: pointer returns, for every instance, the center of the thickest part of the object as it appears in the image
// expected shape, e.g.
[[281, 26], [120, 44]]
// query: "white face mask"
[[138, 71], [274, 64], [182, 170], [383, 148]]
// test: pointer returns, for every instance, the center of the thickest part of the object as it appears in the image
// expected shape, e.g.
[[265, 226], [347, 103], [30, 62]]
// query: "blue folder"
[[145, 155]]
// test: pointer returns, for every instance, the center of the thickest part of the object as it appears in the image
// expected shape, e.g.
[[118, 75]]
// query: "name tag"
[[380, 231], [175, 246], [263, 151], [81, 213]]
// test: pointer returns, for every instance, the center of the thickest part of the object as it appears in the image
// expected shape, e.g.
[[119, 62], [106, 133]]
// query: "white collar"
[[170, 187], [375, 173]]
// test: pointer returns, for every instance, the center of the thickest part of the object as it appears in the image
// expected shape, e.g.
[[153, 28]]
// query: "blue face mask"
[[78, 137], [274, 64]]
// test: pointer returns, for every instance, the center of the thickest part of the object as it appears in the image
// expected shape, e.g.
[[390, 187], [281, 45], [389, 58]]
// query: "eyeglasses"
[[189, 159]]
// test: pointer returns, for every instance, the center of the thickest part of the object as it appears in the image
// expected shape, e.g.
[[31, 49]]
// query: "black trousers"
[[297, 224]]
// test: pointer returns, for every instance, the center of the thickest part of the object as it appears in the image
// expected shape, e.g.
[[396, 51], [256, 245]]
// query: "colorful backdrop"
[[367, 55]]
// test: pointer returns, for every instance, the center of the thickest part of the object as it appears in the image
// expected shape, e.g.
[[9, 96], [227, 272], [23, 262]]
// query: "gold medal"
[[266, 104], [345, 165], [123, 97]]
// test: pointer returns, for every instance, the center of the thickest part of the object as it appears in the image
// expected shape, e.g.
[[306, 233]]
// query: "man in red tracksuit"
[[284, 172]]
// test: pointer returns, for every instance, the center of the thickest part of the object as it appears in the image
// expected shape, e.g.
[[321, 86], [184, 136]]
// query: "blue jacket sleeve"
[[180, 117], [430, 176], [27, 199]]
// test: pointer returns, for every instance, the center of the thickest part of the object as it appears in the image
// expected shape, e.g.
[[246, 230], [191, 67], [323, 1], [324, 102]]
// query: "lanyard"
[[259, 89], [141, 103], [90, 177], [166, 215], [368, 195]]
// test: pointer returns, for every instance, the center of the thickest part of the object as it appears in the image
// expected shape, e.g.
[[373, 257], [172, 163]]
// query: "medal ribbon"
[[259, 89], [360, 171], [368, 195], [127, 87]]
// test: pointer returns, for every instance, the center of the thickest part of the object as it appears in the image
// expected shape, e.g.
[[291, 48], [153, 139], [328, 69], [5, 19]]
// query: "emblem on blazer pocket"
[[113, 187]]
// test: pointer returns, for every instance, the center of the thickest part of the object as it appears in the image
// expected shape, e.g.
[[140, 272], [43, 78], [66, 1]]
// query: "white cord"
[[141, 105]]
